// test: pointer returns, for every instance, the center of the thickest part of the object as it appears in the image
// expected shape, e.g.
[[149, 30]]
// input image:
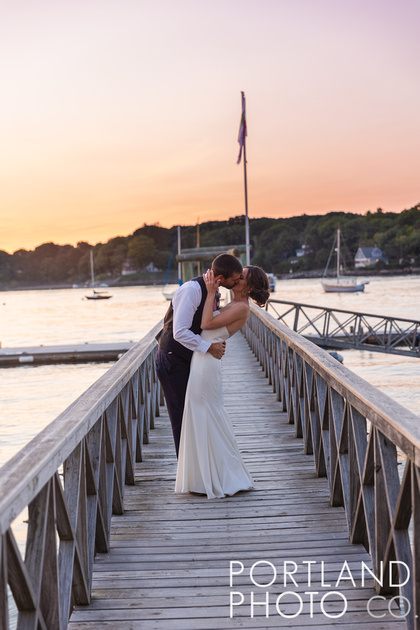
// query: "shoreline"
[[159, 282]]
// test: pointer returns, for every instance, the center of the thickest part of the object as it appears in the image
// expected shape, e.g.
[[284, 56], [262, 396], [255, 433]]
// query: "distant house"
[[369, 256], [303, 251], [151, 267], [128, 268]]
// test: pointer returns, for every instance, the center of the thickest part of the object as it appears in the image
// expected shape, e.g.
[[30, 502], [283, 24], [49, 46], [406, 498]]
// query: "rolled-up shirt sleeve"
[[185, 303]]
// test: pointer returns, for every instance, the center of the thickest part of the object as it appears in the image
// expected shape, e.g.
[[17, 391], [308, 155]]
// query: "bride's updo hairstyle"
[[258, 285]]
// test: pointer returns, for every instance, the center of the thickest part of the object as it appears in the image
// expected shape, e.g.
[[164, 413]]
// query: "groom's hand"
[[217, 350]]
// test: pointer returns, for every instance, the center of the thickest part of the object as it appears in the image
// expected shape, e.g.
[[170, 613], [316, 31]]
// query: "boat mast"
[[338, 253], [92, 278], [198, 245]]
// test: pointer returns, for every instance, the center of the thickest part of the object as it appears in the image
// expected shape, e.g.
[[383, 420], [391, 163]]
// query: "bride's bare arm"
[[234, 316]]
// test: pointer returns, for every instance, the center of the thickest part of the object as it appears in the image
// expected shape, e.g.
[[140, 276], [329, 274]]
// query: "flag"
[[242, 130]]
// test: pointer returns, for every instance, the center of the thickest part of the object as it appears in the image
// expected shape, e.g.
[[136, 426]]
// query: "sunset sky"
[[116, 113]]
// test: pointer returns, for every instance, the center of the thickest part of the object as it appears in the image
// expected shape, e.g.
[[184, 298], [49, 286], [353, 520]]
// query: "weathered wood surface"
[[168, 566]]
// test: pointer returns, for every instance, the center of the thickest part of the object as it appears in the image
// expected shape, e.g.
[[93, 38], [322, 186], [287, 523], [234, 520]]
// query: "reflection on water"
[[65, 316], [396, 376], [32, 396]]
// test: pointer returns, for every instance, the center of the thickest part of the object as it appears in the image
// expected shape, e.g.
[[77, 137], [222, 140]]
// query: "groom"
[[180, 337]]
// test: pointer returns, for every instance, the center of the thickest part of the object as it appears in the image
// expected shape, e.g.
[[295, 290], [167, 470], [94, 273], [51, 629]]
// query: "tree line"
[[274, 243]]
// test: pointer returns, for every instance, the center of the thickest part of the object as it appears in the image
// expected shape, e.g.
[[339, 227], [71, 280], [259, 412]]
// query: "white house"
[[369, 256], [128, 268], [151, 267], [303, 251]]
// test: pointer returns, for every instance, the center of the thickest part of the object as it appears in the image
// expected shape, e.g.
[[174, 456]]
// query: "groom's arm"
[[185, 303]]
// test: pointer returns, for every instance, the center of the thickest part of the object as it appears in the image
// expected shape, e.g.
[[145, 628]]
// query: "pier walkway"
[[169, 561]]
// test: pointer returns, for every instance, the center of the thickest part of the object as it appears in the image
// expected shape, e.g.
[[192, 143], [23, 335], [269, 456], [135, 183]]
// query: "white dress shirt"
[[185, 302]]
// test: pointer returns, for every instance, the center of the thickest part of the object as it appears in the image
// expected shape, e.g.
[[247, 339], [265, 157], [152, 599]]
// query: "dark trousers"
[[173, 372]]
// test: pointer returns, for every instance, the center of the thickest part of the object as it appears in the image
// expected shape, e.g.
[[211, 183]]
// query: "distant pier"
[[342, 329], [71, 353]]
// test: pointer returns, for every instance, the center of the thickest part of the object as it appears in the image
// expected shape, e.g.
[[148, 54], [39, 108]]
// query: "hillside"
[[274, 243]]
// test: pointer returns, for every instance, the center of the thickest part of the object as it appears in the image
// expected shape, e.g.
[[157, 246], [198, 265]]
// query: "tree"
[[141, 250], [5, 266], [273, 245]]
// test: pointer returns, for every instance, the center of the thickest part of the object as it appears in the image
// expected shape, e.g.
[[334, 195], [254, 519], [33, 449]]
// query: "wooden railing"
[[353, 431], [71, 479]]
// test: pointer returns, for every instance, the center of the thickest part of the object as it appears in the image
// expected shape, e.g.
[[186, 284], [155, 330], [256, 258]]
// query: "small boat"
[[96, 295], [340, 284], [272, 281], [343, 285]]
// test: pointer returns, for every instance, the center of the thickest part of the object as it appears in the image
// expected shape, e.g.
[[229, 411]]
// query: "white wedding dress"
[[209, 460]]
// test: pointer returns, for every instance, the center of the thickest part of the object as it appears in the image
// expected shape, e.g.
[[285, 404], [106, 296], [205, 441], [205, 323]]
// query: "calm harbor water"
[[31, 397]]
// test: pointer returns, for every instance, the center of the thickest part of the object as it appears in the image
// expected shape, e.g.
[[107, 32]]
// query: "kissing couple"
[[188, 362]]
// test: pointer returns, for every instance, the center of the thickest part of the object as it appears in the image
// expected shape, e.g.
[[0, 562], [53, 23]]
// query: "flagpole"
[[241, 139], [247, 245], [179, 253]]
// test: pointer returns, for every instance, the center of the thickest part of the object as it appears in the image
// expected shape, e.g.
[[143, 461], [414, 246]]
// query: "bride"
[[209, 459]]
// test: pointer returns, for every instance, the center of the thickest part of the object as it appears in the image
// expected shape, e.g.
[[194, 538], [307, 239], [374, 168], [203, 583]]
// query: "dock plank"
[[169, 564]]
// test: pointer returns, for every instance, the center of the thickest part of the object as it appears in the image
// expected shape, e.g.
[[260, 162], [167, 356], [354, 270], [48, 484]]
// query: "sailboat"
[[96, 295], [340, 284]]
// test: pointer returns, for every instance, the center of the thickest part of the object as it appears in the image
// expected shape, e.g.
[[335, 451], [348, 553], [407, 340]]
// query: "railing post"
[[296, 320]]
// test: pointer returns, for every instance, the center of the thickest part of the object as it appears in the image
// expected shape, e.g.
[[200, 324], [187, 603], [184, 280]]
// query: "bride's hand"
[[212, 284]]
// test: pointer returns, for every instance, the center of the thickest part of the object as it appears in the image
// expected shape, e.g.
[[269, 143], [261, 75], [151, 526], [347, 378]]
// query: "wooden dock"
[[169, 563], [70, 353]]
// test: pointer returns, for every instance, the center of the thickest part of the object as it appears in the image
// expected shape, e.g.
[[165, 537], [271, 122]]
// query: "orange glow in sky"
[[116, 114]]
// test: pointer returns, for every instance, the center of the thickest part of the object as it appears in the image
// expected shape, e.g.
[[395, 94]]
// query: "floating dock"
[[72, 353]]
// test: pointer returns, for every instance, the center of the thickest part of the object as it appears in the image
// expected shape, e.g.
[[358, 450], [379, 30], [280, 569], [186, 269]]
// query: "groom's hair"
[[226, 265]]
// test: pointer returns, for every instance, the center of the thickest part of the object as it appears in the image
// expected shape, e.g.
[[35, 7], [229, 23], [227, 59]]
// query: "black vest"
[[165, 337]]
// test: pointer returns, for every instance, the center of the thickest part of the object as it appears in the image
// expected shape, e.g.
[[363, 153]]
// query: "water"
[[397, 296], [30, 396]]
